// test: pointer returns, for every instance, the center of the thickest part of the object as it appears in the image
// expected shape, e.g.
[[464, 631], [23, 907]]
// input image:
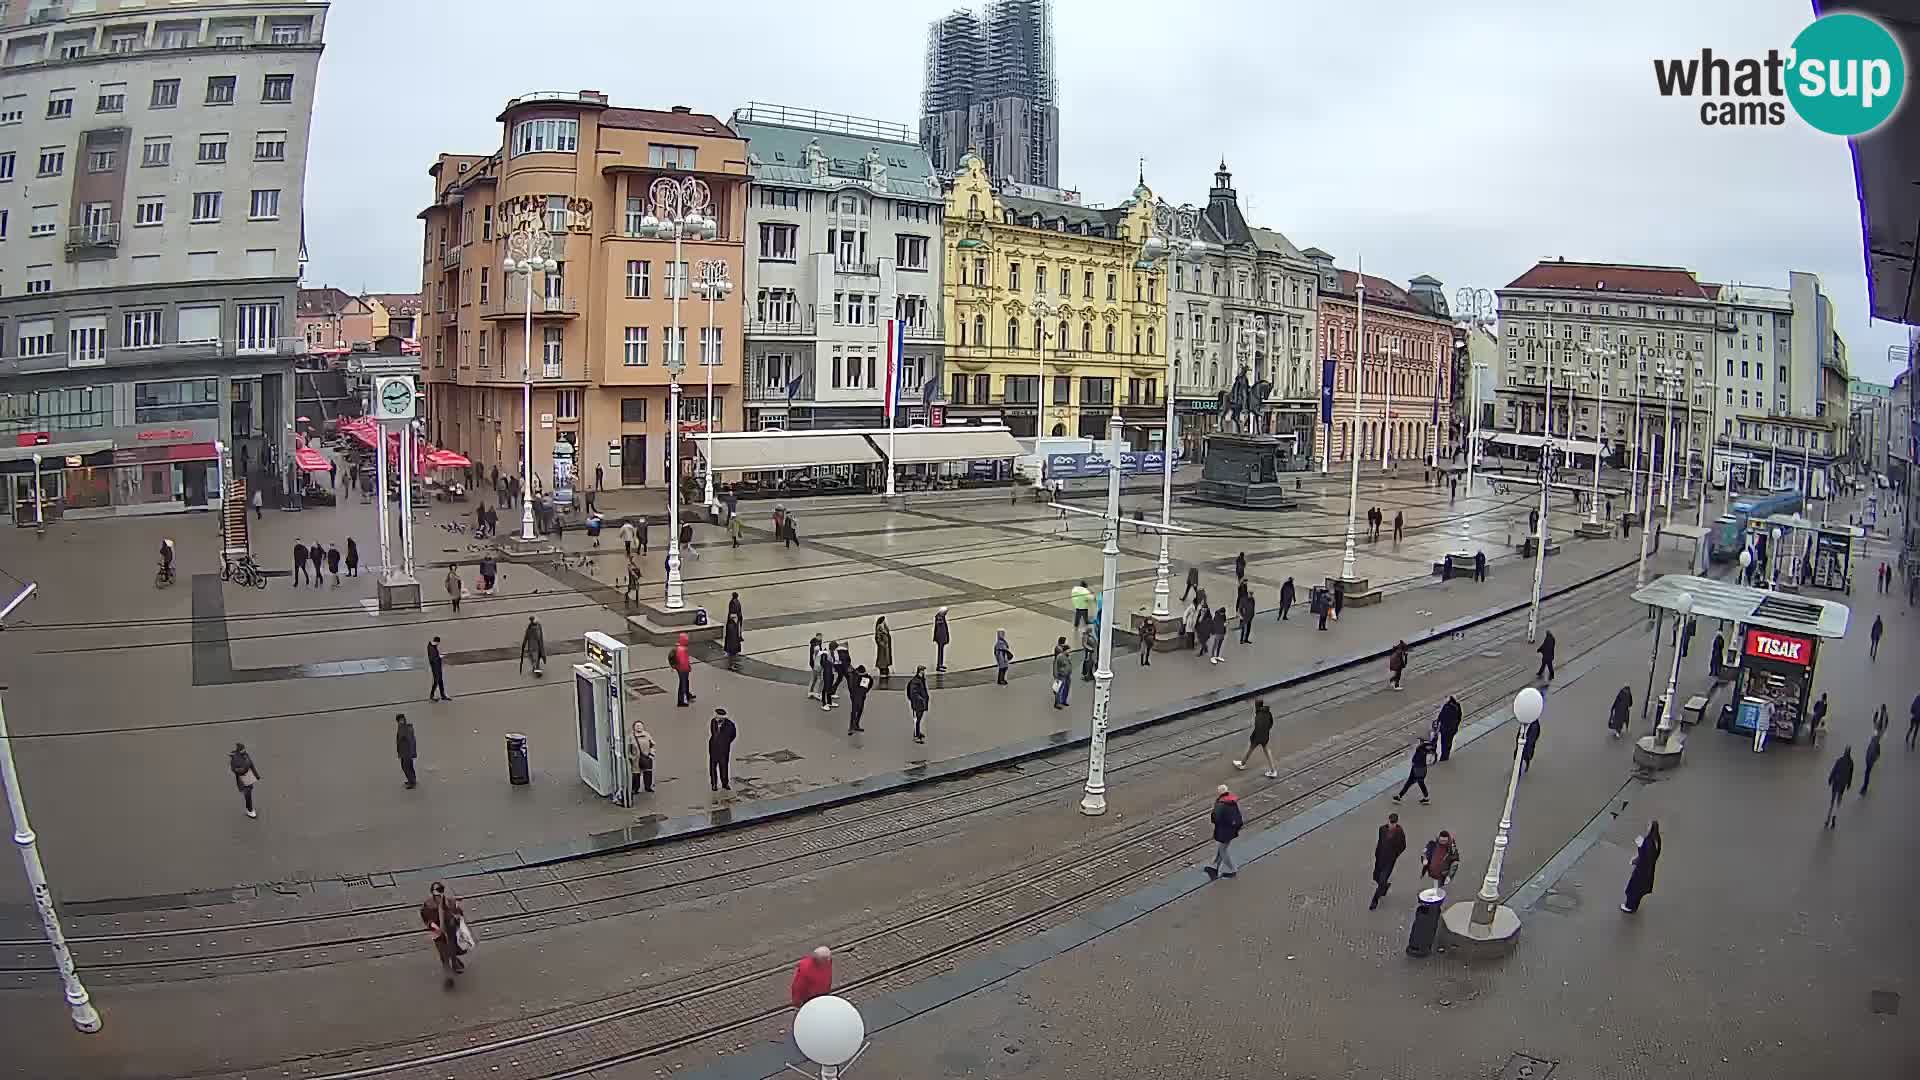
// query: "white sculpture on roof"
[[816, 159], [876, 170]]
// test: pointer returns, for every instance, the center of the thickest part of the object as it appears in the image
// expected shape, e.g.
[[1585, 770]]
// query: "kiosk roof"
[[1715, 599]]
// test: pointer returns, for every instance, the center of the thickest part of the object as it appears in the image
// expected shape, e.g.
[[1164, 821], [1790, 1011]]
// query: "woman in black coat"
[[1622, 711], [1640, 882], [733, 642]]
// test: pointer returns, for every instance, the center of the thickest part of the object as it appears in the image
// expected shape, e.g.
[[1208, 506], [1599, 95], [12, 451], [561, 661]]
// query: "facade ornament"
[[816, 161], [580, 215], [876, 170]]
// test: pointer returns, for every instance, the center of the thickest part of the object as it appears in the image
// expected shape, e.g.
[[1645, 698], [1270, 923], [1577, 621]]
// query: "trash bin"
[[517, 770], [1426, 923]]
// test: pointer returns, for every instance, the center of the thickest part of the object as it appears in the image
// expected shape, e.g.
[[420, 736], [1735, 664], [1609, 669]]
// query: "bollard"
[[517, 770], [1426, 922]]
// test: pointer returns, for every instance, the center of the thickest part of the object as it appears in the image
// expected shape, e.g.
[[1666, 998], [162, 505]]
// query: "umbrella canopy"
[[446, 459], [310, 460]]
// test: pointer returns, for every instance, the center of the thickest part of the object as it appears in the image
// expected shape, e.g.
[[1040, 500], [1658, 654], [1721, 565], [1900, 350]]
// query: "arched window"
[[973, 204], [1151, 349], [1136, 340], [1066, 336], [1013, 333], [1213, 374], [963, 332], [980, 330], [1110, 337], [1086, 337]]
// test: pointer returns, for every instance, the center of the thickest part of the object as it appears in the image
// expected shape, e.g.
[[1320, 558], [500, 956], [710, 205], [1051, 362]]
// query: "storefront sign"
[[1081, 466], [937, 416], [1198, 405], [164, 435], [1783, 648], [139, 455]]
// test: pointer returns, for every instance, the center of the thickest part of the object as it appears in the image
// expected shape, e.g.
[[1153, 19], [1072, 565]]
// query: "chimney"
[[682, 109]]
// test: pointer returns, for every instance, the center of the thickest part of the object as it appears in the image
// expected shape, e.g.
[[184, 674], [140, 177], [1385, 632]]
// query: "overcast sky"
[[1462, 140]]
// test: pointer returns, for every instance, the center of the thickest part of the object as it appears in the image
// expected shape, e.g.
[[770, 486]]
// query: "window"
[[13, 108], [486, 222], [150, 210], [481, 355], [220, 90], [166, 94], [780, 198], [156, 151], [112, 99], [264, 205], [6, 166], [712, 345], [39, 279], [660, 156], [958, 395], [200, 324], [140, 329], [60, 105], [1113, 289], [677, 280], [779, 243], [206, 207], [213, 149], [911, 252], [639, 282], [676, 347], [484, 279], [287, 34], [123, 43], [566, 405], [229, 41], [180, 399], [276, 88], [549, 135], [1086, 285], [979, 331], [1086, 337], [1013, 278], [36, 337], [633, 410], [258, 327], [1110, 338], [99, 161], [1013, 333], [53, 161], [270, 146], [633, 348]]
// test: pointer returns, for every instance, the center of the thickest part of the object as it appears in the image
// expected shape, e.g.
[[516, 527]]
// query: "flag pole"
[[893, 394]]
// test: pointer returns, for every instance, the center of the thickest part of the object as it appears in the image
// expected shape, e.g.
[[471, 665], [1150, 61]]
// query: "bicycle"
[[578, 561], [163, 577], [243, 573]]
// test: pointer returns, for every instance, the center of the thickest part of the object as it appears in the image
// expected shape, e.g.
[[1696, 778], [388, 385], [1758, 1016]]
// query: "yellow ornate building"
[[1042, 293]]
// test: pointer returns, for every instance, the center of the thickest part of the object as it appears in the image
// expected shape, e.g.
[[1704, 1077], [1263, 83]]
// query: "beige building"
[[332, 318], [576, 174]]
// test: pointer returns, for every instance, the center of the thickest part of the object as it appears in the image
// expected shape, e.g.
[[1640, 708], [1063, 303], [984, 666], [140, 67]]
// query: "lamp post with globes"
[[529, 252], [1486, 922], [1175, 234], [679, 212], [1353, 431], [713, 286]]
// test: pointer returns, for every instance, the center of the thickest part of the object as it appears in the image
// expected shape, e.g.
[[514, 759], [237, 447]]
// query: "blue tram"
[[1730, 532]]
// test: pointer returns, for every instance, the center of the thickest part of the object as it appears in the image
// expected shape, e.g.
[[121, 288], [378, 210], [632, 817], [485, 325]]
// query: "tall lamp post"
[[679, 211], [1664, 736], [1546, 507], [1353, 431], [1588, 381], [1491, 919], [1175, 232], [1473, 447], [529, 251], [1042, 311], [1094, 802], [1666, 378], [713, 286], [1390, 355]]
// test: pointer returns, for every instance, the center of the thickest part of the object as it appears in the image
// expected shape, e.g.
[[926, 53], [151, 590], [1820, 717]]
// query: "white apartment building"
[[152, 171], [1780, 387], [843, 234]]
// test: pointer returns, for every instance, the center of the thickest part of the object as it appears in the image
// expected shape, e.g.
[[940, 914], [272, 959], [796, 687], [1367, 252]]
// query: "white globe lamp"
[[830, 1033]]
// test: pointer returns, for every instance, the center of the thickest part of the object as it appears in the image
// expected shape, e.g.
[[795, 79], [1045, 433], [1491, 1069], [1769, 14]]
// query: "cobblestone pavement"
[[1771, 946], [127, 773], [661, 948]]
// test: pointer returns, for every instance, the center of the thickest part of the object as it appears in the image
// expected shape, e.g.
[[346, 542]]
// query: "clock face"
[[396, 397]]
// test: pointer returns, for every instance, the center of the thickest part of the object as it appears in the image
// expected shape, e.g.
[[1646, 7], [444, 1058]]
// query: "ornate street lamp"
[[529, 251], [713, 286], [1175, 235]]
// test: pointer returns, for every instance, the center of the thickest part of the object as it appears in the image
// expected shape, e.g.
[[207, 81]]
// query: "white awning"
[[53, 453], [926, 445], [785, 450], [1581, 447], [1715, 599]]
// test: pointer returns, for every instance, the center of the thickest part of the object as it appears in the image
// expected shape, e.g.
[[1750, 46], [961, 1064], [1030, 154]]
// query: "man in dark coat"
[[299, 562], [1622, 712], [858, 683], [1447, 725], [405, 747], [1479, 566], [1546, 657], [437, 664], [1527, 747], [941, 635], [1645, 857], [1193, 582], [1240, 566], [1286, 597], [1226, 825], [720, 736], [1839, 779], [918, 699], [1417, 772], [1246, 617], [1392, 843]]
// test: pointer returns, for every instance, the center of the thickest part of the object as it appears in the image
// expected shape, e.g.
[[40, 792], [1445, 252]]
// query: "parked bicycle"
[[163, 577], [243, 573]]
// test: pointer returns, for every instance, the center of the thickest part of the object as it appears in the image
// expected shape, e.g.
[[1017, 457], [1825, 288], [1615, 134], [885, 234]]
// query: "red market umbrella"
[[311, 460], [446, 459]]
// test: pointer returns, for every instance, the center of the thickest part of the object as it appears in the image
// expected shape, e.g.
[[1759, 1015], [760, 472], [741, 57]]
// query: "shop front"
[[146, 469], [1772, 684], [1196, 418]]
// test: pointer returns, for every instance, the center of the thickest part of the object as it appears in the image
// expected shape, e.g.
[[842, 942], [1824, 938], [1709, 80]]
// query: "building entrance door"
[[633, 460]]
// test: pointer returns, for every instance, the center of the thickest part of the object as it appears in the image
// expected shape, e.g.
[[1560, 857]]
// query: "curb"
[[636, 837]]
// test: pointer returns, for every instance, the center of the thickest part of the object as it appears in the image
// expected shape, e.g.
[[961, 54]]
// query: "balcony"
[[449, 257], [101, 236], [513, 305], [780, 328], [860, 269], [916, 332], [760, 391]]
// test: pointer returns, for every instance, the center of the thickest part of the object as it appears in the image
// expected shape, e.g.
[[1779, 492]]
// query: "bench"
[[1694, 711]]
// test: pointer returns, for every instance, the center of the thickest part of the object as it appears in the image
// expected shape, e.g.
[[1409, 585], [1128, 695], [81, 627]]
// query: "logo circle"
[[1848, 74]]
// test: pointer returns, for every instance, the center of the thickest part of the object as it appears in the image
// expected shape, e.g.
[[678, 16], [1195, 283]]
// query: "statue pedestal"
[[1244, 472]]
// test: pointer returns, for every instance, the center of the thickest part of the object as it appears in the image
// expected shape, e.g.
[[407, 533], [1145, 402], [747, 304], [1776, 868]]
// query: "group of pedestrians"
[[324, 558], [830, 667]]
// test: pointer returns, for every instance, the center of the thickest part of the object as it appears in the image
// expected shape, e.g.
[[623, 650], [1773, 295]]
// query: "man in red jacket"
[[682, 663], [813, 976]]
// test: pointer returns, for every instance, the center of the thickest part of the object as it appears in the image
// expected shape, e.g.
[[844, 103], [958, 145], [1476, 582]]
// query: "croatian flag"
[[896, 346]]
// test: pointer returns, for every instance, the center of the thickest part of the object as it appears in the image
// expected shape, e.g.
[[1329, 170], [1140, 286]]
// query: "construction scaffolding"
[[990, 85]]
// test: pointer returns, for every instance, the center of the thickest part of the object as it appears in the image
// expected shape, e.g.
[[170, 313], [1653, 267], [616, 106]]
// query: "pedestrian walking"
[[640, 748], [941, 635], [1479, 566], [1646, 855], [245, 775], [1913, 721], [1527, 745], [1839, 779], [829, 674], [1190, 623], [333, 564], [858, 684], [815, 673], [1546, 657], [882, 647], [1399, 527], [686, 541], [720, 735], [259, 504], [1193, 583], [733, 529], [1397, 662], [812, 977], [1286, 597], [1716, 660], [627, 538], [406, 747], [1218, 624], [299, 563], [1322, 606], [1226, 825], [1818, 720], [1082, 604], [318, 554], [445, 920], [641, 529], [1880, 719], [1441, 859], [1002, 657], [842, 665], [1089, 652], [1062, 673], [1240, 566], [1622, 712], [1873, 639], [1387, 849], [454, 587], [353, 558], [792, 537], [1447, 725], [533, 646], [631, 595], [1339, 598], [682, 662], [1417, 772], [732, 642], [436, 663], [1246, 616], [1257, 739], [918, 700], [1148, 632], [1872, 755]]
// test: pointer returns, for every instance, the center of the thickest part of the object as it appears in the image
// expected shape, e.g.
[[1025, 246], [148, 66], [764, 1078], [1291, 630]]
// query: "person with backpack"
[[681, 660], [1441, 860], [918, 700], [858, 683], [1227, 823], [1262, 731], [1387, 849]]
